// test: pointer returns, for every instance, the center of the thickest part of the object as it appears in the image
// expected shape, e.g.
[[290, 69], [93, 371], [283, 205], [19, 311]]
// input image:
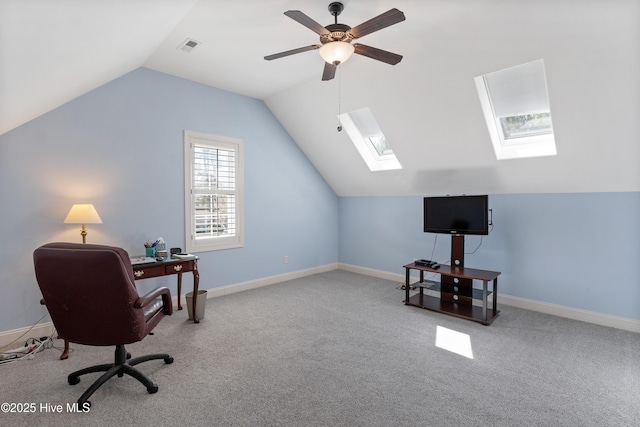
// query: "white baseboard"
[[572, 313], [21, 335], [265, 281], [46, 329], [372, 272], [601, 319]]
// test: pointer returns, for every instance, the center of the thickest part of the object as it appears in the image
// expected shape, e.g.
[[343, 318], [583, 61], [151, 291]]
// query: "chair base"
[[123, 365]]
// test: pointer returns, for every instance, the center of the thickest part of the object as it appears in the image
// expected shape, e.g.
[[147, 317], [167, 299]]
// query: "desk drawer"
[[147, 272], [175, 268], [179, 268]]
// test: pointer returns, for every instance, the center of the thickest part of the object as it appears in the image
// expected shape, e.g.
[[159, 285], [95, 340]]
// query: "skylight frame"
[[537, 144], [361, 126]]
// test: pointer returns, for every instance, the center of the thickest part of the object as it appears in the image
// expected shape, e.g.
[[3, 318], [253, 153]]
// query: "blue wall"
[[120, 147], [579, 250]]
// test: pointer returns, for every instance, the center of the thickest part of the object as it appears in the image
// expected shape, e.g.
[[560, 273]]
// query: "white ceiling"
[[54, 51]]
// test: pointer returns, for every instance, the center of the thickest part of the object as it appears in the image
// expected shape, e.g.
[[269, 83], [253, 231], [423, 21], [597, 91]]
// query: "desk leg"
[[196, 283], [179, 290], [406, 286], [65, 352], [484, 300]]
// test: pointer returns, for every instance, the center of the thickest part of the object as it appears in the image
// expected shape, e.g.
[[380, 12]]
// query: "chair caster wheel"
[[73, 380], [152, 389], [168, 360]]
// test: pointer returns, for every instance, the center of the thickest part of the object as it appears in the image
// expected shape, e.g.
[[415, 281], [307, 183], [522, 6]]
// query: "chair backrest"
[[89, 291]]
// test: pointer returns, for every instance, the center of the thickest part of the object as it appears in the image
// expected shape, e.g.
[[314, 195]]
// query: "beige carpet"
[[341, 349]]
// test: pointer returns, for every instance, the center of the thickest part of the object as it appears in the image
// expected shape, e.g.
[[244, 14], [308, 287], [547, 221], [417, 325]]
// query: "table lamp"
[[83, 214]]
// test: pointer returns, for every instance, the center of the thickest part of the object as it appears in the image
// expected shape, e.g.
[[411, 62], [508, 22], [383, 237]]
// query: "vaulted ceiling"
[[427, 105]]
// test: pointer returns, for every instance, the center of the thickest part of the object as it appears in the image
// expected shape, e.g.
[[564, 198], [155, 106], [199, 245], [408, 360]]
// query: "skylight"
[[369, 140], [516, 108]]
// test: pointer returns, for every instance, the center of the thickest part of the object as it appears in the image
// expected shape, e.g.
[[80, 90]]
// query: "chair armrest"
[[150, 297]]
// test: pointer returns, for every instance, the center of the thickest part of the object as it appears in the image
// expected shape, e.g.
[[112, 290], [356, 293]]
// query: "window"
[[514, 127], [213, 192], [369, 140], [516, 108], [382, 147]]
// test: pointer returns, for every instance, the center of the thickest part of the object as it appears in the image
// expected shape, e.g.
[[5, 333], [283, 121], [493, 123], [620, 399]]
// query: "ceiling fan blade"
[[292, 52], [329, 71], [384, 20], [303, 19], [379, 54]]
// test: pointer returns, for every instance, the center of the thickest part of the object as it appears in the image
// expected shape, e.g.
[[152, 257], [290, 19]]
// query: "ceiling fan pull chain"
[[339, 98]]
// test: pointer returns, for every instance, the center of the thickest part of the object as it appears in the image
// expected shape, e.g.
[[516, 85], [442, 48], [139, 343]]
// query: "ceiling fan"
[[335, 38]]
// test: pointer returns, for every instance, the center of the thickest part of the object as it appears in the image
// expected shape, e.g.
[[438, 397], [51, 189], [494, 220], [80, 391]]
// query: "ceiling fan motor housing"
[[339, 33]]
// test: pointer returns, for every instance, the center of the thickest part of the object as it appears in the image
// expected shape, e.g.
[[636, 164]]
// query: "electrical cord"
[[25, 333], [480, 244], [476, 249], [433, 249], [29, 350]]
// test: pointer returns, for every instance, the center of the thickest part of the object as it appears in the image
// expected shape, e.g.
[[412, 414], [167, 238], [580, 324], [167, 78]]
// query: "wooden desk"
[[172, 266], [163, 268]]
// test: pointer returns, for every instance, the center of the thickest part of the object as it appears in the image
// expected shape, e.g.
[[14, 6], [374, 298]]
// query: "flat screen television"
[[457, 215]]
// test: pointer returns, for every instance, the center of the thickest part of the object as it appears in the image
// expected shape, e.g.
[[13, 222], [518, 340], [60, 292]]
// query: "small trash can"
[[201, 303]]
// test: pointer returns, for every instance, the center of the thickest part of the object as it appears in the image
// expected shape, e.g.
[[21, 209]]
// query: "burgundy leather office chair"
[[90, 293]]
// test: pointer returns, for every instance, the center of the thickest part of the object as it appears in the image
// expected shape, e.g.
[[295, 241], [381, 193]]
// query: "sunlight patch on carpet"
[[453, 341]]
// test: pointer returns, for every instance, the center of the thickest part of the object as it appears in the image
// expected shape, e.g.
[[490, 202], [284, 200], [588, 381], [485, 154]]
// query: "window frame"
[[210, 141], [527, 102], [354, 124]]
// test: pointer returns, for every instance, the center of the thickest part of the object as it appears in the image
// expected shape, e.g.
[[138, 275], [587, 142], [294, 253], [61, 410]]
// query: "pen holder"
[[151, 252]]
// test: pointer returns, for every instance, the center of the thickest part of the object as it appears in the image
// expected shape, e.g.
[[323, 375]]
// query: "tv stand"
[[456, 288]]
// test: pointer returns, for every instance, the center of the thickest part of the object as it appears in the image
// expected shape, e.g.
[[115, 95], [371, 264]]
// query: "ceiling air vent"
[[188, 45]]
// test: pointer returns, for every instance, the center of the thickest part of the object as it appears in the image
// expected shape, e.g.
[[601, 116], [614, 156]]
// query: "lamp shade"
[[83, 214], [336, 52]]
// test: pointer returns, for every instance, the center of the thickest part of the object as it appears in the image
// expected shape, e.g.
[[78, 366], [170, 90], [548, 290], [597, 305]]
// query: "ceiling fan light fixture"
[[335, 39], [336, 52]]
